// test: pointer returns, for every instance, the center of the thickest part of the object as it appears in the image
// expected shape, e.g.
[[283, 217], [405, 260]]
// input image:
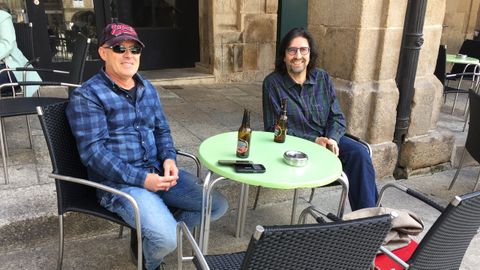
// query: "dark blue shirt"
[[119, 138], [312, 108]]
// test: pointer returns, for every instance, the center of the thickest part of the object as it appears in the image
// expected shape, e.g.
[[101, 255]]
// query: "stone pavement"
[[28, 224]]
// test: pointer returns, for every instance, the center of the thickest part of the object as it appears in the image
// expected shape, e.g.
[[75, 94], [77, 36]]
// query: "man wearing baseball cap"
[[124, 140]]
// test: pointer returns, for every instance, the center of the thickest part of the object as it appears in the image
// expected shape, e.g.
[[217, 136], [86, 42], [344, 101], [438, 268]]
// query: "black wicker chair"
[[469, 74], [444, 245], [472, 145], [16, 106], [74, 193], [341, 245], [23, 106]]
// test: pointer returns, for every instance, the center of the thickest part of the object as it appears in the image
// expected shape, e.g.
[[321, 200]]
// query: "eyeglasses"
[[293, 50], [122, 49]]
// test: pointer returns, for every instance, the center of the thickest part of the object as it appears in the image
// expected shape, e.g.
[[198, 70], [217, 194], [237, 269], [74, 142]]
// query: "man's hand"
[[330, 144], [155, 182], [170, 168]]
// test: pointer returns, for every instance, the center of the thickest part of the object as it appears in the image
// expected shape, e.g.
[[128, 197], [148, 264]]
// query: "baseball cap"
[[115, 33]]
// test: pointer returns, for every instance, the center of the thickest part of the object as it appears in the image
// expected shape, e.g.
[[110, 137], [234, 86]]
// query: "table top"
[[452, 58], [322, 168]]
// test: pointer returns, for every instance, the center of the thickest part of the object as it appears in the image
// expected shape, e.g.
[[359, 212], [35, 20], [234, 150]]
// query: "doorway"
[[168, 28]]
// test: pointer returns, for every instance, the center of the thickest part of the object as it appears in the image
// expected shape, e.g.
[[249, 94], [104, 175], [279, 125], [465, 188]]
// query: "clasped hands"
[[155, 182], [330, 144]]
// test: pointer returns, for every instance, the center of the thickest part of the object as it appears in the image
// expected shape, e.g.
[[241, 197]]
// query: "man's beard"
[[296, 70]]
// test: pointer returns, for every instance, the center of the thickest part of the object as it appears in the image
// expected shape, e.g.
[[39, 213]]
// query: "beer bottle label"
[[242, 146], [278, 130]]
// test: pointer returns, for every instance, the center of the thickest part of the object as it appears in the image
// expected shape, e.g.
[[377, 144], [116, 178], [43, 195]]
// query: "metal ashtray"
[[462, 56], [295, 158]]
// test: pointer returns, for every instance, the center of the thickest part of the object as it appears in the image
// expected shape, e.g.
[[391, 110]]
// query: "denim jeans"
[[358, 167], [158, 223]]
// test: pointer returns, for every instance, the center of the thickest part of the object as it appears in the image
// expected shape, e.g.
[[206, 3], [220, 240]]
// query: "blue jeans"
[[158, 223], [358, 167]]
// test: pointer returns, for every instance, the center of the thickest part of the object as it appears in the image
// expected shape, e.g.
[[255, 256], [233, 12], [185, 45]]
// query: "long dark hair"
[[295, 32]]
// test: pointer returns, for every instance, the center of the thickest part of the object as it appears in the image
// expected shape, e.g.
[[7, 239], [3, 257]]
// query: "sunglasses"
[[294, 50], [135, 49]]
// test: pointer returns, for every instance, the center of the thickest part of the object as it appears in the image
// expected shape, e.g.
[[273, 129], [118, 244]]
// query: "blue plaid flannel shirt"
[[118, 138], [312, 108]]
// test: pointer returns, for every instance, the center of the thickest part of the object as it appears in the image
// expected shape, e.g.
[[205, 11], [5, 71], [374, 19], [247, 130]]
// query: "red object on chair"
[[383, 262]]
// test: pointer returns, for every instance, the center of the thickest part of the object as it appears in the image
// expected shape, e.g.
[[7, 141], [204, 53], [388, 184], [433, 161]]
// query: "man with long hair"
[[314, 112]]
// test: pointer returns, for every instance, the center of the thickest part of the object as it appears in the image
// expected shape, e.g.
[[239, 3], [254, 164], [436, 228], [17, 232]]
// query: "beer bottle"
[[280, 131], [244, 134]]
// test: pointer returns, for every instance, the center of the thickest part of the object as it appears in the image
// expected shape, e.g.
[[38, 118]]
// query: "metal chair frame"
[[66, 170], [340, 245], [471, 144], [444, 245], [16, 106]]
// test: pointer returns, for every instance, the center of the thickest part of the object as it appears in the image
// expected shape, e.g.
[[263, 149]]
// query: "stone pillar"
[[359, 46], [244, 39]]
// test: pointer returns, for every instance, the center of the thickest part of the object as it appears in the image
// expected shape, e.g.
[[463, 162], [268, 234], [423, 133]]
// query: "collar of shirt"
[[290, 83], [112, 85]]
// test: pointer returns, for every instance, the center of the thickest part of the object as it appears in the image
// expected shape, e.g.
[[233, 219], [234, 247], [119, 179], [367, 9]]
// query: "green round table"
[[452, 58], [322, 168]]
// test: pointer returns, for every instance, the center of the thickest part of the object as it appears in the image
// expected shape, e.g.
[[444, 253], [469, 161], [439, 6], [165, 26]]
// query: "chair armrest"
[[186, 154], [35, 69], [114, 191], [364, 143], [181, 229], [26, 83], [416, 194], [394, 257]]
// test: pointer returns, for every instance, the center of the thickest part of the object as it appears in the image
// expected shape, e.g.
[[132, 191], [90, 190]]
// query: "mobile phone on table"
[[234, 162], [249, 168]]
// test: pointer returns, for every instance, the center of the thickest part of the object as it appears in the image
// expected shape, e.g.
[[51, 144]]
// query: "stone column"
[[244, 38], [359, 43]]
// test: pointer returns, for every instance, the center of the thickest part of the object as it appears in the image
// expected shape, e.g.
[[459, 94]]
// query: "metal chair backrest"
[[64, 157], [444, 245], [78, 60], [472, 143], [441, 64], [470, 48], [24, 35], [340, 245]]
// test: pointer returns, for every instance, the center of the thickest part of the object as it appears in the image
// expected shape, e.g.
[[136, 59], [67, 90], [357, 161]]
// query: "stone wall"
[[244, 39], [359, 46]]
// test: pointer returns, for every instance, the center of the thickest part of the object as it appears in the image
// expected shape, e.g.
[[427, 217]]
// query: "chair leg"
[[454, 103], [29, 132], [458, 169], [120, 232], [467, 117], [60, 243], [476, 184], [3, 148], [311, 195], [4, 135], [256, 198]]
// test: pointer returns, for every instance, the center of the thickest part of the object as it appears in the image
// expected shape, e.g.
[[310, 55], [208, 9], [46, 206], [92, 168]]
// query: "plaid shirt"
[[312, 108], [118, 138]]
